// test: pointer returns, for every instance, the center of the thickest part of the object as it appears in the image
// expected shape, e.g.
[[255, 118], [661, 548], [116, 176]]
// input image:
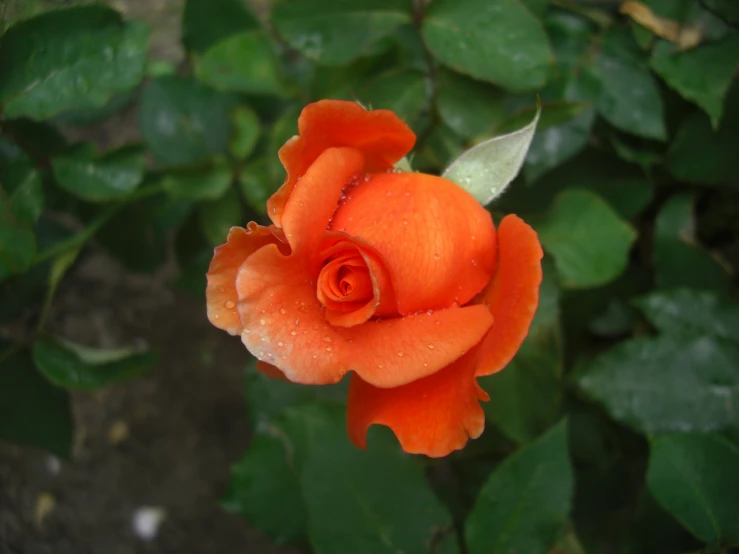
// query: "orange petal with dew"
[[284, 324], [380, 135], [220, 294], [433, 416], [437, 240], [513, 294], [315, 197]]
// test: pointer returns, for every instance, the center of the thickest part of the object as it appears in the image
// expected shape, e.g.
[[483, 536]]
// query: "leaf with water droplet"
[[487, 169]]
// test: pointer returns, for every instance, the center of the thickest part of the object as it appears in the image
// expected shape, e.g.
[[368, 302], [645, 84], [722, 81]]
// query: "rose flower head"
[[398, 277]]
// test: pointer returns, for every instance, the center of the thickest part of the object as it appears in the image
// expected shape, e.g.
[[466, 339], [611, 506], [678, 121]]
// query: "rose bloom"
[[398, 277]]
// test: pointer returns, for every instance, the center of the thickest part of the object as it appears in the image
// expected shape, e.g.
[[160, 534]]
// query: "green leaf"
[[138, 234], [246, 130], [256, 185], [629, 98], [218, 216], [205, 183], [688, 313], [526, 501], [667, 384], [500, 42], [486, 169], [694, 478], [525, 398], [183, 121], [267, 397], [727, 9], [240, 63], [590, 243], [351, 495], [73, 366], [701, 75], [702, 155], [468, 107], [21, 181], [403, 92], [99, 179], [335, 32], [32, 411], [555, 144], [68, 60], [205, 22], [678, 259], [17, 241], [264, 488]]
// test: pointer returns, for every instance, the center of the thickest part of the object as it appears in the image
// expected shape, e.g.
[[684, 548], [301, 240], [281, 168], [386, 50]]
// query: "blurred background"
[[135, 133]]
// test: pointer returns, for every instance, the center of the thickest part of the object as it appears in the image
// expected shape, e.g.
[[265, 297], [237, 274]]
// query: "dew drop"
[[437, 256], [261, 353], [328, 349], [367, 178], [269, 354], [425, 364], [229, 304], [262, 321], [297, 321], [401, 354], [430, 312], [246, 331], [380, 366], [221, 289], [405, 222], [263, 339], [283, 311], [315, 355], [293, 332], [327, 339], [280, 343], [389, 193], [431, 346], [216, 316]]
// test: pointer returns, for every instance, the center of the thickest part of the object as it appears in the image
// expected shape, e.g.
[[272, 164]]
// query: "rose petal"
[[433, 416], [284, 324], [315, 197], [437, 240], [513, 294], [220, 294], [380, 135]]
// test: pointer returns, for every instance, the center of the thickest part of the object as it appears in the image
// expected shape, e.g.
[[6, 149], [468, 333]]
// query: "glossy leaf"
[[526, 501], [629, 98], [17, 241], [21, 182], [73, 366], [246, 130], [500, 42], [264, 488], [218, 216], [32, 411], [688, 313], [351, 495], [244, 62], [69, 59], [403, 92], [335, 32], [206, 183], [701, 75], [699, 154], [667, 384], [257, 185], [485, 170], [98, 179], [467, 106], [589, 242], [525, 398], [694, 478], [678, 259], [183, 121], [206, 22]]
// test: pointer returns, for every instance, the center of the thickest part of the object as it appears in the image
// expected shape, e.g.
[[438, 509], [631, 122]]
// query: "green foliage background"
[[616, 427]]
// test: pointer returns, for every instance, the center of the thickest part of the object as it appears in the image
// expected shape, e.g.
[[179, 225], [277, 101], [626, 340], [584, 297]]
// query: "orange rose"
[[398, 277]]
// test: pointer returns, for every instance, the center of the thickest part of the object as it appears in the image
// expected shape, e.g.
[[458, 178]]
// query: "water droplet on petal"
[[229, 304], [293, 332], [401, 354], [327, 339], [437, 256], [246, 331], [315, 355], [280, 343], [262, 321], [263, 339], [328, 349], [283, 311], [431, 346]]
